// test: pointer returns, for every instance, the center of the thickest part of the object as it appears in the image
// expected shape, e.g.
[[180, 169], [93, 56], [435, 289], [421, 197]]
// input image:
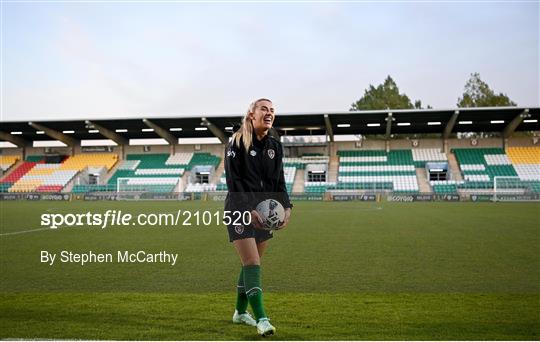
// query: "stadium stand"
[[289, 173], [377, 170], [200, 187], [222, 185], [16, 175], [129, 165], [526, 162], [318, 187], [20, 171], [151, 161], [43, 178], [8, 161], [161, 171], [180, 158], [203, 163], [423, 155], [81, 161], [316, 163], [300, 163], [480, 166], [444, 187], [203, 158], [37, 176], [358, 170], [307, 161]]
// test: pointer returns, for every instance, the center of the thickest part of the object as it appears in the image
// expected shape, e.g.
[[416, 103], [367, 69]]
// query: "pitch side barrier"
[[35, 196], [424, 198], [220, 197]]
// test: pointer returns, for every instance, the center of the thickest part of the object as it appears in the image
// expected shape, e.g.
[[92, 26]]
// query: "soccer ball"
[[272, 213]]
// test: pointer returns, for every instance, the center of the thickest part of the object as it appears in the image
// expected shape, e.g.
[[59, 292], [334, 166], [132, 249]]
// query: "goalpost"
[[122, 185], [504, 187], [127, 191]]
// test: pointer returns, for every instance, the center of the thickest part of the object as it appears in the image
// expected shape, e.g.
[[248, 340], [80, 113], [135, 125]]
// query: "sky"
[[89, 60]]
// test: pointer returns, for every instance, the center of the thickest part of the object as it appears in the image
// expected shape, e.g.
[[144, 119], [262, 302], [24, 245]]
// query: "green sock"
[[252, 283], [241, 297]]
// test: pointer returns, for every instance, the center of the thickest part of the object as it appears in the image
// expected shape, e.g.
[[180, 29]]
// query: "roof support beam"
[[69, 141], [450, 125], [328, 125], [389, 119], [512, 125], [162, 132], [215, 131], [20, 142], [107, 133]]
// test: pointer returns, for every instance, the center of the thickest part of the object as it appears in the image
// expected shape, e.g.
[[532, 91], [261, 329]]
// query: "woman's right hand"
[[256, 219]]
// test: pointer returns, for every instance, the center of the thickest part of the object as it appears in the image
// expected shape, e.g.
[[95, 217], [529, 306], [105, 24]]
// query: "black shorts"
[[239, 232]]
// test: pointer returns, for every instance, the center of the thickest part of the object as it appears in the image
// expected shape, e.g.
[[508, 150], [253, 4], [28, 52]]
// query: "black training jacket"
[[255, 175]]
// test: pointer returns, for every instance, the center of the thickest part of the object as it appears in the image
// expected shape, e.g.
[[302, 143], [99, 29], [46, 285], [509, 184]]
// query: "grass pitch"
[[340, 271]]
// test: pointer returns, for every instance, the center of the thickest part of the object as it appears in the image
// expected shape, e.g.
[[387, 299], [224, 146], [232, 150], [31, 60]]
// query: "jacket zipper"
[[261, 171]]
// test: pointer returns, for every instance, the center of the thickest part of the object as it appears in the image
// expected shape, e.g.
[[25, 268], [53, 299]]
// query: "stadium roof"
[[445, 122]]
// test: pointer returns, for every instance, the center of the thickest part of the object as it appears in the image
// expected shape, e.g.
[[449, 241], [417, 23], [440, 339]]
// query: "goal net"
[[510, 189], [146, 184]]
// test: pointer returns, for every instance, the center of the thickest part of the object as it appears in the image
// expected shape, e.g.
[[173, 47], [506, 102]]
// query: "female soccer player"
[[253, 166]]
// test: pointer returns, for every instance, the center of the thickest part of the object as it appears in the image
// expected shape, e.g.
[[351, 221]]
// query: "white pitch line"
[[25, 231]]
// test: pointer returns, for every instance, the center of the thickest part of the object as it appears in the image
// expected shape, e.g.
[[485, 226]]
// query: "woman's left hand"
[[286, 220]]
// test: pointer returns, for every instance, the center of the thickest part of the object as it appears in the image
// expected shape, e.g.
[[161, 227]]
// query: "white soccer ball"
[[272, 213]]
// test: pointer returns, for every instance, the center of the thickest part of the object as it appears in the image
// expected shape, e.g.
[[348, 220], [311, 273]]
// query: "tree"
[[478, 94], [418, 105], [384, 96]]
